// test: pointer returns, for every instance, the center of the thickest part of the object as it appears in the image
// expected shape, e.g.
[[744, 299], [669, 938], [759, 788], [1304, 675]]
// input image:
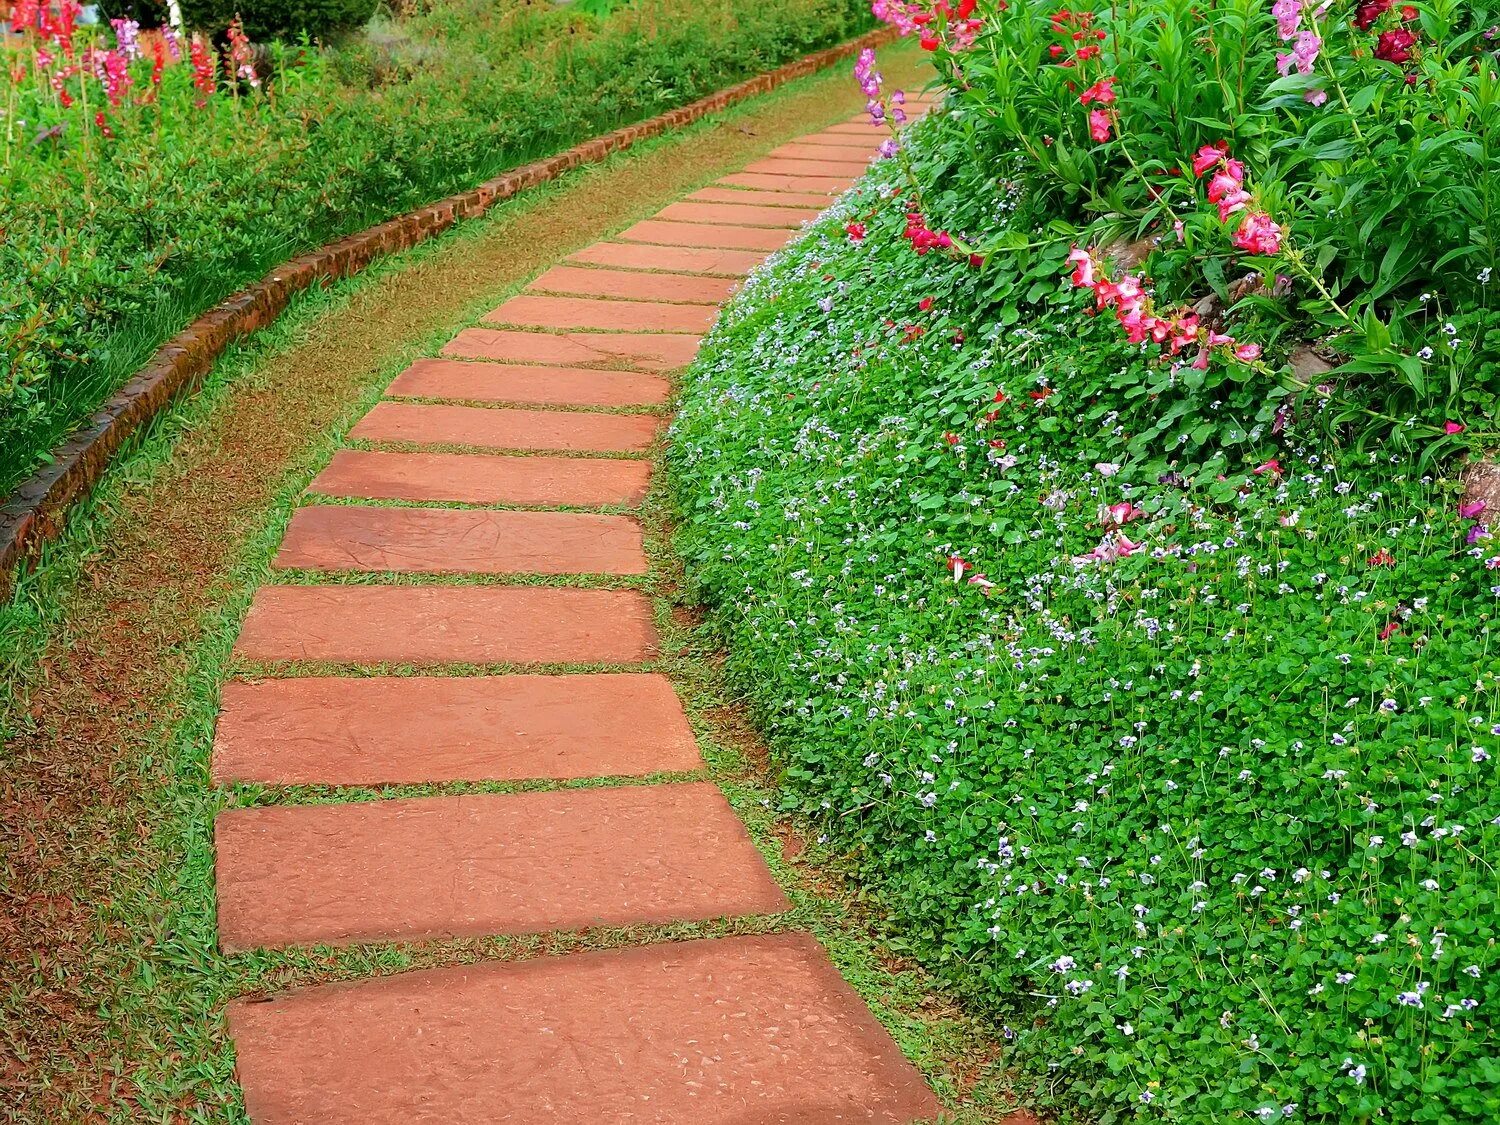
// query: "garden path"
[[522, 452]]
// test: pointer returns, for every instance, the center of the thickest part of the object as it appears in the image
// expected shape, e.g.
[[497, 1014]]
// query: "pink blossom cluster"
[[1257, 234], [953, 28], [1134, 309], [922, 237]]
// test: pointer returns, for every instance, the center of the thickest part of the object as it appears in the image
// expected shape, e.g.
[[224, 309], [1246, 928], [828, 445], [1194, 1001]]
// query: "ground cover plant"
[[148, 174], [1149, 679]]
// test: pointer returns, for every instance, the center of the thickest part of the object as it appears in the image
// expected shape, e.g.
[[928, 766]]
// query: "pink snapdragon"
[[922, 237], [1303, 55]]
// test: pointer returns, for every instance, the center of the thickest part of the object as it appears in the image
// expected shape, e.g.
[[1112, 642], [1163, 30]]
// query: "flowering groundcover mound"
[[1161, 712]]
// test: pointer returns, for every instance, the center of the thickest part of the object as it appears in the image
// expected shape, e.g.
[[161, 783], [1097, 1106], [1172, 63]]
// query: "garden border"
[[36, 512]]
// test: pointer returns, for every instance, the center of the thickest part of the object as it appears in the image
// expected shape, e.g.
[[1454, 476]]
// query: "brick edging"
[[37, 510]]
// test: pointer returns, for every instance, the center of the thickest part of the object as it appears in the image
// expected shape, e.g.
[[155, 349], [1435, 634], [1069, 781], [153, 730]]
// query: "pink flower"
[[1083, 268], [1102, 91], [1099, 124], [1234, 201], [1315, 97], [1208, 156], [855, 231], [1382, 557], [1454, 427], [1247, 352], [1472, 510], [1302, 55], [1272, 467], [1118, 515], [1258, 234], [1288, 15]]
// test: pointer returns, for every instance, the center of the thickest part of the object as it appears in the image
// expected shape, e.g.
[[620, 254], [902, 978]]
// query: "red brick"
[[615, 316], [775, 166], [423, 625], [478, 478], [858, 128], [489, 381], [683, 259], [738, 214], [729, 1031], [699, 234], [411, 730], [852, 154], [814, 199], [513, 863], [632, 284], [500, 428], [866, 142], [832, 185], [335, 537], [652, 351]]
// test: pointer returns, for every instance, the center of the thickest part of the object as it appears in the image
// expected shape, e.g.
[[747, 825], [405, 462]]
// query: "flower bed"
[[1153, 690], [147, 176]]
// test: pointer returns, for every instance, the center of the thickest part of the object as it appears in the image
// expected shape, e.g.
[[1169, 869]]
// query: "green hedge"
[[110, 245], [1202, 807]]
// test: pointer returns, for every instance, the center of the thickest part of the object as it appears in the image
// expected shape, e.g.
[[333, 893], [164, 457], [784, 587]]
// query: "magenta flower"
[[1454, 427], [1258, 234], [1303, 54], [1472, 509]]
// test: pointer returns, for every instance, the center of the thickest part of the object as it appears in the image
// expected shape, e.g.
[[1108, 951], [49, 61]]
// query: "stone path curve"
[[553, 404]]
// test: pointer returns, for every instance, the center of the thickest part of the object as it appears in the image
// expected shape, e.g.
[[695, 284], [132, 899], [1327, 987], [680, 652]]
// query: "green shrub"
[[1202, 805], [280, 19]]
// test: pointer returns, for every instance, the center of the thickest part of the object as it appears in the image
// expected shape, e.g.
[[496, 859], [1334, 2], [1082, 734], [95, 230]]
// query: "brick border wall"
[[37, 511]]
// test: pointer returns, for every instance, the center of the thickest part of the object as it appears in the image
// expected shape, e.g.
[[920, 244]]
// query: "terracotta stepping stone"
[[853, 154], [500, 428], [478, 478], [448, 624], [866, 142], [631, 284], [490, 381], [858, 127], [782, 167], [410, 730], [460, 541], [730, 1031], [511, 863], [831, 185], [701, 234], [615, 316], [682, 259], [745, 215], [712, 194], [650, 351]]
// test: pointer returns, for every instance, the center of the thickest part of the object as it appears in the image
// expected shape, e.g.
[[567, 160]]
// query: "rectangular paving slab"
[[425, 625], [817, 201], [854, 154], [703, 234], [645, 351], [481, 478], [728, 1031], [777, 165], [493, 863], [830, 185], [500, 428], [538, 311], [679, 259], [346, 537], [487, 381], [745, 214], [411, 730], [583, 281]]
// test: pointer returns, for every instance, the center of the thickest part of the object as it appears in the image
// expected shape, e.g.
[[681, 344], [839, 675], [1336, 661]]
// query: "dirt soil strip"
[[104, 790], [37, 511]]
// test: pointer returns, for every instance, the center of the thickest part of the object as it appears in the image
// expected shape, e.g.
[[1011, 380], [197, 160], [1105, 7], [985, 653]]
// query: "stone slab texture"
[[482, 427], [409, 730], [600, 282], [604, 314], [738, 1031], [657, 351], [746, 214], [423, 625], [681, 259], [705, 234], [508, 863], [529, 384], [333, 537], [482, 478], [831, 185]]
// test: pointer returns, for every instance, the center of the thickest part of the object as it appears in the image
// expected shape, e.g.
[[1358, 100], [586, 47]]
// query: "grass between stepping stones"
[[114, 652]]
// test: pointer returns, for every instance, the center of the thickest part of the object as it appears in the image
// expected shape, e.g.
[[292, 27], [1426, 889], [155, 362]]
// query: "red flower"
[[1454, 427], [1382, 557], [925, 303], [1366, 14], [1209, 156], [1102, 91], [1099, 123], [856, 231], [1395, 46], [1273, 467], [1389, 630]]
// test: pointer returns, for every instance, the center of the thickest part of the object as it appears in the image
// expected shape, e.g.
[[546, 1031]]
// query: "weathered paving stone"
[[535, 384], [410, 730], [857, 128], [536, 311], [818, 201], [702, 234], [425, 625], [343, 537], [463, 866], [730, 1031], [854, 154], [634, 285], [500, 428], [866, 142], [783, 167], [831, 185], [745, 215], [479, 478], [648, 351], [680, 259]]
